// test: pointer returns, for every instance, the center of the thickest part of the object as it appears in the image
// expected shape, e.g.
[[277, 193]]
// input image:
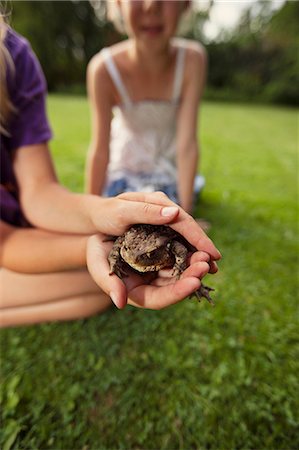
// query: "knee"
[[92, 305]]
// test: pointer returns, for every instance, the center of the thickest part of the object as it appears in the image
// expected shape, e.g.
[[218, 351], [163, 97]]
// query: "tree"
[[64, 35], [282, 39], [259, 59]]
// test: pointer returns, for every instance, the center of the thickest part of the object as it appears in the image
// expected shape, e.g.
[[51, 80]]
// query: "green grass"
[[191, 376]]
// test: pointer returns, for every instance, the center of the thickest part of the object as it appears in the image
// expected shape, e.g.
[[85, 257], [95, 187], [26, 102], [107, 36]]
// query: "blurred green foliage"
[[257, 61], [64, 35]]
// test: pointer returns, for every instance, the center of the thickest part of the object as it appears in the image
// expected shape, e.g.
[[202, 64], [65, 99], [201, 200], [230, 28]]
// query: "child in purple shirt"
[[26, 86], [49, 236]]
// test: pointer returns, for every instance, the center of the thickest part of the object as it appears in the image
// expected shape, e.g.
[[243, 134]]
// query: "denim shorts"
[[123, 184]]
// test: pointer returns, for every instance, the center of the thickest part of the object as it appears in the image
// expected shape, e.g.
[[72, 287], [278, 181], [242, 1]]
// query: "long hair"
[[6, 106]]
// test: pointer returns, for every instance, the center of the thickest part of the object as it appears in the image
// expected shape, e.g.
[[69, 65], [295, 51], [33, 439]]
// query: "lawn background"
[[191, 376]]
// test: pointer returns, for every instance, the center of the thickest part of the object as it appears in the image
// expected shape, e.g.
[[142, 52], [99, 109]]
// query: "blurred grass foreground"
[[191, 376]]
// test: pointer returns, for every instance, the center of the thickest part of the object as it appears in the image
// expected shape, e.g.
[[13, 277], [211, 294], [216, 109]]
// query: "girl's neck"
[[151, 59]]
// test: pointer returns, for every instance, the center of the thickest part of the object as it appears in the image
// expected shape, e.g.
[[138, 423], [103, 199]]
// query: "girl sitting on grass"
[[152, 83], [49, 236]]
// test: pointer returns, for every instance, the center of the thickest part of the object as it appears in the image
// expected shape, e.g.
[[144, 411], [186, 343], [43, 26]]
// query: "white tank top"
[[142, 139]]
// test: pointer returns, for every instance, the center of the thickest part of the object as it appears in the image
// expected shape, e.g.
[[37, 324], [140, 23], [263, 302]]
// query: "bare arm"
[[50, 206], [30, 250], [46, 203], [187, 139], [98, 86]]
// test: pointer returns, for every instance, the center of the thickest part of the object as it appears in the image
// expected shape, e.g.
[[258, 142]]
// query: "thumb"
[[97, 263], [139, 212]]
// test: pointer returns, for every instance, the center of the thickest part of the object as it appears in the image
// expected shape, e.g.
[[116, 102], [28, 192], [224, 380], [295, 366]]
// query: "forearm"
[[46, 203], [96, 168], [187, 169], [57, 209], [27, 250]]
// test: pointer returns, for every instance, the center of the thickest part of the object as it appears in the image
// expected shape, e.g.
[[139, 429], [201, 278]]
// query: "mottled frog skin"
[[149, 248]]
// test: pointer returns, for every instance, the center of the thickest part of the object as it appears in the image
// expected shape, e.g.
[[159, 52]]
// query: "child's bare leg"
[[60, 310], [26, 299], [18, 289]]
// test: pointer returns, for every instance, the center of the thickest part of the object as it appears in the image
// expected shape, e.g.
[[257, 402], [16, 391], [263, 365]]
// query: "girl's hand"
[[154, 208], [153, 291]]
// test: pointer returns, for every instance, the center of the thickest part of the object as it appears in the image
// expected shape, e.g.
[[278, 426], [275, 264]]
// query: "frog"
[[149, 248]]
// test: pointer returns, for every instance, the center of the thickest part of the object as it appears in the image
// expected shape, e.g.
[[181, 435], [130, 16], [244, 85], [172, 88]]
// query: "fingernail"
[[114, 299], [220, 256], [169, 211]]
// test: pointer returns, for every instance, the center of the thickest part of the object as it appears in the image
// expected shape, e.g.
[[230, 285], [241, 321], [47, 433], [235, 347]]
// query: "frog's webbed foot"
[[204, 292], [180, 253], [117, 264], [119, 268]]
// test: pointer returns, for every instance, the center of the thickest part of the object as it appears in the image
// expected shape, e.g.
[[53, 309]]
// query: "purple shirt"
[[29, 125]]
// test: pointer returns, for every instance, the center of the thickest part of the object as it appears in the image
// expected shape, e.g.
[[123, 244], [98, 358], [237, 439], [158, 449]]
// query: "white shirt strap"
[[115, 75], [179, 74]]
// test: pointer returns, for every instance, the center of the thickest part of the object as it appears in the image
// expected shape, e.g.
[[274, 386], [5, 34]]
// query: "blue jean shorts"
[[122, 184]]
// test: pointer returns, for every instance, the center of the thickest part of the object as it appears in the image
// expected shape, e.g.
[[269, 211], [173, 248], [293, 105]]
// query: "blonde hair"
[[6, 106], [114, 15]]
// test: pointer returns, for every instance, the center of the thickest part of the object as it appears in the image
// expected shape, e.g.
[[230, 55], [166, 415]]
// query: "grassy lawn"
[[191, 376]]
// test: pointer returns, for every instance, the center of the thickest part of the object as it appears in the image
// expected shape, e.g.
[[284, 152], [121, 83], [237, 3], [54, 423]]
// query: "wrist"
[[93, 208], [81, 249]]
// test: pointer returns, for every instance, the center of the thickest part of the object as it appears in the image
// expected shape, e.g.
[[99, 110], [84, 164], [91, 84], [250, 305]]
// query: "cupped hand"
[[151, 291], [153, 208]]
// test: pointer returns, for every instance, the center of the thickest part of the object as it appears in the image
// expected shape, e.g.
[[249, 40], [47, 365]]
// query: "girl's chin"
[[152, 32]]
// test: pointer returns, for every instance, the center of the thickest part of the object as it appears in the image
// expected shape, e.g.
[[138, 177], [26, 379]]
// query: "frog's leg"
[[180, 253], [117, 264], [204, 292]]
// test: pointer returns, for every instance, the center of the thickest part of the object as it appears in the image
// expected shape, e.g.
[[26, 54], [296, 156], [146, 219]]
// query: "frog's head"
[[150, 255]]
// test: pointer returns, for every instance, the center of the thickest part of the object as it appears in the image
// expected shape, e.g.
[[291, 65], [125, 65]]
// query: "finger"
[[192, 232], [165, 273], [145, 212], [213, 267], [199, 256], [98, 266], [183, 223], [192, 258], [125, 213], [202, 256], [158, 197], [152, 297], [198, 270]]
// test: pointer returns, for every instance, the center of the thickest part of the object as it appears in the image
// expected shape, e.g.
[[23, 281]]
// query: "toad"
[[149, 248]]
